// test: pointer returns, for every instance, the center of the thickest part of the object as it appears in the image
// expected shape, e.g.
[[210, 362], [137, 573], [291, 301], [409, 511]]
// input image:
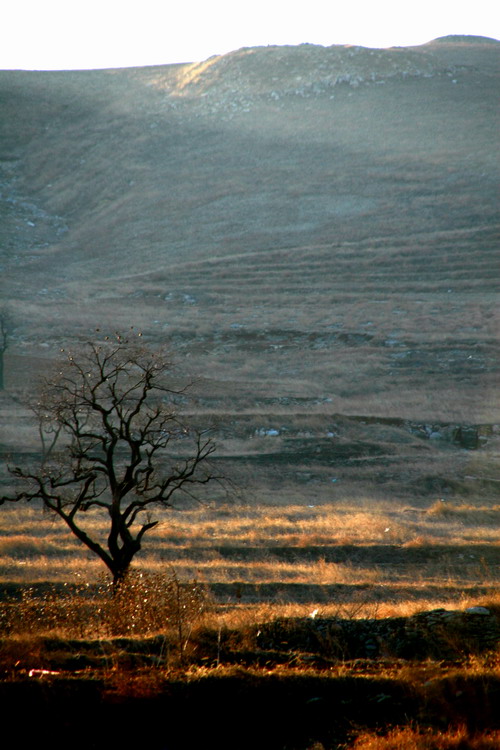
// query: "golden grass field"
[[446, 547]]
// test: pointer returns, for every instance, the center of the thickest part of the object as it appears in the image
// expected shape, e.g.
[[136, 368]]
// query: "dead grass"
[[465, 513], [425, 739], [284, 546]]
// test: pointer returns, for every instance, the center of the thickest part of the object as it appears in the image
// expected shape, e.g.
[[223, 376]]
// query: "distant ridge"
[[234, 81], [311, 230], [461, 38]]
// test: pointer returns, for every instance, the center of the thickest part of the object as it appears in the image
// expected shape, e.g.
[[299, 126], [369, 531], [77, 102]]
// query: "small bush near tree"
[[144, 604]]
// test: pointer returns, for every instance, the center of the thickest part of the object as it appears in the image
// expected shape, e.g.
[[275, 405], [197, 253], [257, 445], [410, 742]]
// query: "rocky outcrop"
[[233, 81], [438, 634]]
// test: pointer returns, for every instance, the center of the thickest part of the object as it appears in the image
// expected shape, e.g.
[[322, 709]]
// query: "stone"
[[478, 611]]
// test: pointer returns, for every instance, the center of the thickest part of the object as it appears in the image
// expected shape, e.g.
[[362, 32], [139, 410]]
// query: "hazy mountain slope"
[[220, 200], [135, 161]]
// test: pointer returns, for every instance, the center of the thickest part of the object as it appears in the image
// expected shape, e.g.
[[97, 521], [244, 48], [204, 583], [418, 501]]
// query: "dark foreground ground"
[[294, 684]]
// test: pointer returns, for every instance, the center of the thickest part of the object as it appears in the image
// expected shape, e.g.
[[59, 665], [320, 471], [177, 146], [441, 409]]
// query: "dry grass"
[[26, 533], [287, 546], [143, 605], [422, 739], [466, 514]]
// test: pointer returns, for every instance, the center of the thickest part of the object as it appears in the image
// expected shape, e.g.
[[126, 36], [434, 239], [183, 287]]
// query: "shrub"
[[142, 604]]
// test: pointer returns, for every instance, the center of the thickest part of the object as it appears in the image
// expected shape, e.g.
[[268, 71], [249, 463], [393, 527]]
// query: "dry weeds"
[[421, 739]]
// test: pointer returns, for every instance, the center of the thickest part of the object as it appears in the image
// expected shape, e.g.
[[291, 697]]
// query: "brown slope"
[[300, 212]]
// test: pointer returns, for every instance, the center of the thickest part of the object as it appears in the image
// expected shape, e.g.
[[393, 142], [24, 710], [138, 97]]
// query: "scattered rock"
[[439, 633], [232, 82], [477, 611]]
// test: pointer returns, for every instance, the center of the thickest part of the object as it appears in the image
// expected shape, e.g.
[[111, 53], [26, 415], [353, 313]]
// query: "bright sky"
[[69, 34]]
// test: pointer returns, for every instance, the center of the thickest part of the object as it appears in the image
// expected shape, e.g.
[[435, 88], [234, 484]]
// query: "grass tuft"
[[421, 739]]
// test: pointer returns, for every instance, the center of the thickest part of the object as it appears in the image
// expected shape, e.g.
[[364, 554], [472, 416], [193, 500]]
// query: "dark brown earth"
[[293, 684]]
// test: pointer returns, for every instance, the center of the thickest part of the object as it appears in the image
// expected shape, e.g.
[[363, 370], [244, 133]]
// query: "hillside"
[[314, 234], [312, 229]]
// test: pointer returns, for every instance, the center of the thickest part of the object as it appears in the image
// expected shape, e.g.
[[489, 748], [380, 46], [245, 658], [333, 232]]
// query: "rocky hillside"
[[277, 195], [235, 80]]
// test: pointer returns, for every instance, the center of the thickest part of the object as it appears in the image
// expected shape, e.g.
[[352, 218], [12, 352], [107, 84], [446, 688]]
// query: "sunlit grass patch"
[[465, 513], [411, 738]]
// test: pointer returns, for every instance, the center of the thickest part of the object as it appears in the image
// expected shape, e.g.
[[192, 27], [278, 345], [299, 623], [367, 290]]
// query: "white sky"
[[68, 34]]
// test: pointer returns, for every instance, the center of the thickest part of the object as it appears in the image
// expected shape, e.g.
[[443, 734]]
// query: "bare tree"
[[110, 411]]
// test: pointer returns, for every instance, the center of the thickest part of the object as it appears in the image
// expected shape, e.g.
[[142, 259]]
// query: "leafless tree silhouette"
[[108, 425]]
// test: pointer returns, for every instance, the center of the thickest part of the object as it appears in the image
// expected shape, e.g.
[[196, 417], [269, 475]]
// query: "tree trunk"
[[120, 575], [1, 370]]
